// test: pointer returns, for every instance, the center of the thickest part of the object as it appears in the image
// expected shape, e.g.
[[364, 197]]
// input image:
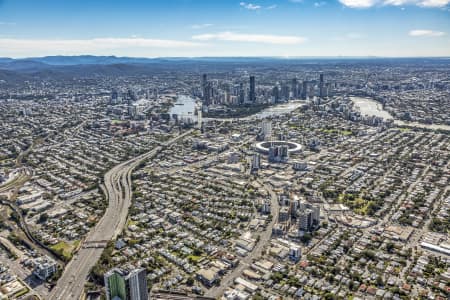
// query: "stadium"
[[263, 147]]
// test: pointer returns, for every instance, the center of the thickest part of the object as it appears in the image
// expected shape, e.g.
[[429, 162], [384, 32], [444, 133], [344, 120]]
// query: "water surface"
[[371, 107]]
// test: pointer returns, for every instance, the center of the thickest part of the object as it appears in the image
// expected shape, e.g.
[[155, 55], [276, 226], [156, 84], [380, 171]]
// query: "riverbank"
[[236, 111], [186, 106], [269, 111], [371, 107]]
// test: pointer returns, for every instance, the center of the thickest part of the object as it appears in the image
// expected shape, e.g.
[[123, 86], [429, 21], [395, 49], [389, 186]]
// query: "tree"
[[258, 296], [379, 281], [43, 218], [190, 281], [329, 296], [368, 254], [277, 277], [306, 238], [389, 247], [14, 217]]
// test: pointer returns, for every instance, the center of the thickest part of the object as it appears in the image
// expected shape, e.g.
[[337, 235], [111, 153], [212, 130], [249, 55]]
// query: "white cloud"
[[426, 33], [252, 38], [20, 47], [433, 3], [370, 3], [358, 3], [396, 2], [319, 4], [201, 26], [250, 6]]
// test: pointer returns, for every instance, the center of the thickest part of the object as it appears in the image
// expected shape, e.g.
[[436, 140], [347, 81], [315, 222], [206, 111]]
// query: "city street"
[[118, 186]]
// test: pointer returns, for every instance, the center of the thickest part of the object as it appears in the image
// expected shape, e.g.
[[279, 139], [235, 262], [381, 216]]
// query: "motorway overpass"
[[117, 182]]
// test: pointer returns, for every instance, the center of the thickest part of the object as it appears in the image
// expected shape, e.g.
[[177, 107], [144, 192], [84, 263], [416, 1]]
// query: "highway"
[[117, 184], [244, 263], [23, 174], [29, 236]]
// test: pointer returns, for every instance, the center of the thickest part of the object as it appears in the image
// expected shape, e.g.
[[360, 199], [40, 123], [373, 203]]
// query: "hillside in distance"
[[15, 71]]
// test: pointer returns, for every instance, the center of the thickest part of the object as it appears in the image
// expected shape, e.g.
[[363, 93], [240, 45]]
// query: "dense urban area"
[[225, 179]]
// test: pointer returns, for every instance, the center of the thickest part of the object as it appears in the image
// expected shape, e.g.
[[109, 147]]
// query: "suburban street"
[[119, 194], [190, 162], [264, 239]]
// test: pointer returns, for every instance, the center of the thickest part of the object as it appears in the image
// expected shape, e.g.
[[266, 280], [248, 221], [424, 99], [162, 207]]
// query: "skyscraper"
[[315, 214], [285, 92], [252, 95], [276, 93], [115, 285], [131, 95], [114, 96], [123, 285], [241, 93], [137, 285], [321, 87], [294, 88], [206, 90], [266, 128], [278, 154], [204, 80], [256, 162], [304, 90], [207, 94], [305, 220], [199, 119], [308, 216]]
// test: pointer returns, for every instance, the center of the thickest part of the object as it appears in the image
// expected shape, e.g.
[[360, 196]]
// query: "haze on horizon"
[[201, 28]]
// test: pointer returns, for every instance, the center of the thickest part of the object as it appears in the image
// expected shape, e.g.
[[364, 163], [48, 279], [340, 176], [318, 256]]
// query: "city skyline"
[[230, 178], [183, 28]]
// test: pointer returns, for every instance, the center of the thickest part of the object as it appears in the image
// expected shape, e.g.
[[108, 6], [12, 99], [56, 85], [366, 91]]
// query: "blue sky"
[[152, 28]]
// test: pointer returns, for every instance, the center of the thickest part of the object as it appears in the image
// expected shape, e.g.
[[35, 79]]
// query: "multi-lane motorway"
[[117, 184]]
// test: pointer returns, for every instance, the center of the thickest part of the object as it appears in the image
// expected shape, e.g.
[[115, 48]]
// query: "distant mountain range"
[[49, 62], [68, 67], [43, 62]]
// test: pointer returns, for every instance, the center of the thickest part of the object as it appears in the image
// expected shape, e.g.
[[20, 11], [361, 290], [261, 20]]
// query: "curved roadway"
[[119, 194], [244, 263]]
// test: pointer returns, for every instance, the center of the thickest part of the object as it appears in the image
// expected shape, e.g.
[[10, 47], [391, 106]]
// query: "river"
[[185, 107], [278, 110], [373, 108]]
